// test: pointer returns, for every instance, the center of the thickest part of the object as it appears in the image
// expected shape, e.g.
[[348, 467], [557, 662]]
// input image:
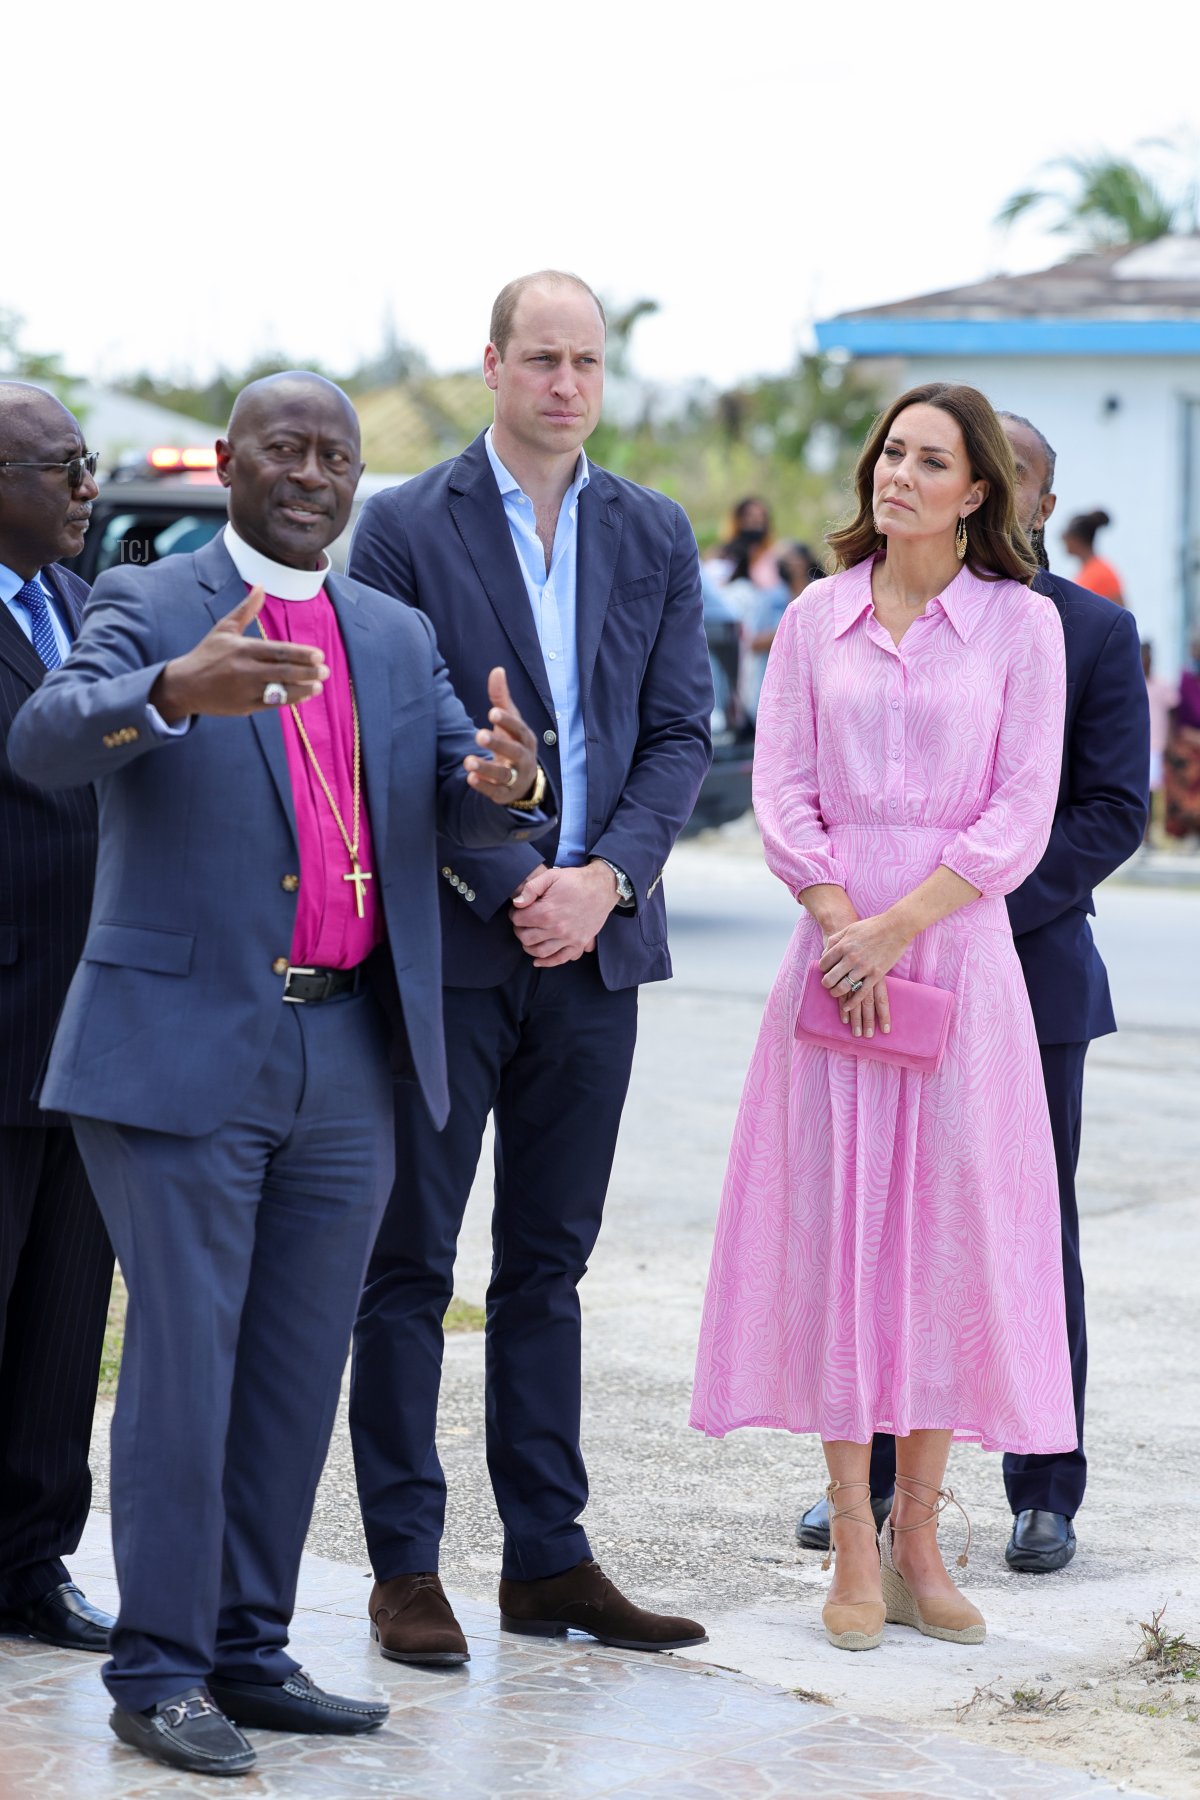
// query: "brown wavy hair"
[[997, 548]]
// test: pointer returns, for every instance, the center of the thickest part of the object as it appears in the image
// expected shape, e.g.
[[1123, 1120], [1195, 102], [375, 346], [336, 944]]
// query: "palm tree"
[[1109, 201]]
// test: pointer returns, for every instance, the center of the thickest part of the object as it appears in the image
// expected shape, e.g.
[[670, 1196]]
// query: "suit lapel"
[[478, 513], [63, 592], [595, 563], [370, 671], [17, 651], [265, 725]]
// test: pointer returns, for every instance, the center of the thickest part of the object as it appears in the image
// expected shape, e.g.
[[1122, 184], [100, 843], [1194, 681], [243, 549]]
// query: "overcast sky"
[[186, 185]]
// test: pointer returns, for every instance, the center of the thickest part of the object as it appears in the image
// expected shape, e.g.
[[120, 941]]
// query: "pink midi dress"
[[888, 1253]]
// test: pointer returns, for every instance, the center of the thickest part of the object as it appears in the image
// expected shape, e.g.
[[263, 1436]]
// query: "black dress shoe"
[[64, 1617], [296, 1704], [186, 1732], [812, 1527], [1040, 1543]]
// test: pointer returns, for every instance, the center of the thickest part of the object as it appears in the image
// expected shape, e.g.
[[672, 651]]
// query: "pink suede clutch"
[[920, 1023]]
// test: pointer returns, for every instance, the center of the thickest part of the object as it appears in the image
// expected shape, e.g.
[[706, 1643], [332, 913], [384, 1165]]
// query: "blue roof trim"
[[901, 336]]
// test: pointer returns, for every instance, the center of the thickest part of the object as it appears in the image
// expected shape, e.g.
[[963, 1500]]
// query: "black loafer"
[[64, 1617], [186, 1732], [812, 1527], [1040, 1543], [296, 1704]]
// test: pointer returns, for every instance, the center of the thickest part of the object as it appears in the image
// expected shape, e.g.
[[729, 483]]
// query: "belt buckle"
[[298, 999]]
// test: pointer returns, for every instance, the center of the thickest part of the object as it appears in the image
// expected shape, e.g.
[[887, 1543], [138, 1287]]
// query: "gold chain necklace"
[[357, 875]]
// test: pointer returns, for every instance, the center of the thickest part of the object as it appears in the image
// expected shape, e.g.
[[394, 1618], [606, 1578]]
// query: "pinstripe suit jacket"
[[47, 868]]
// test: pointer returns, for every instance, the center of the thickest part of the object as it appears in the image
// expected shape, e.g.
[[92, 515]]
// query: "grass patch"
[[812, 1695], [1025, 1702], [461, 1315], [114, 1337], [1168, 1656], [1035, 1700], [464, 1315]]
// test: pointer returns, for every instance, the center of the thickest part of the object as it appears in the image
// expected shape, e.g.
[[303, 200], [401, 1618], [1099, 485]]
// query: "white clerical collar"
[[277, 578]]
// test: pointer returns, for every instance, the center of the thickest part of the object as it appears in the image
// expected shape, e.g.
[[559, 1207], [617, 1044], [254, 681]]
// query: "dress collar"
[[278, 579], [962, 602]]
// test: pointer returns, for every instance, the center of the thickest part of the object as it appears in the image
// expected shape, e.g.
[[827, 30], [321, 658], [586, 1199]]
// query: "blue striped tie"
[[44, 640]]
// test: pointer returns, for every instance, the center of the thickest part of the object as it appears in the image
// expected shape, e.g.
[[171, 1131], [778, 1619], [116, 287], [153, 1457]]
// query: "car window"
[[141, 536]]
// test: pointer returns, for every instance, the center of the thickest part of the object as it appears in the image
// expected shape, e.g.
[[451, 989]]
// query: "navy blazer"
[[171, 1012], [47, 867], [442, 542], [1101, 817]]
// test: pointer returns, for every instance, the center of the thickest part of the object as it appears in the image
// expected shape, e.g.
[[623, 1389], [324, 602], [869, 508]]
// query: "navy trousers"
[[1048, 1483], [548, 1052], [55, 1278], [244, 1253]]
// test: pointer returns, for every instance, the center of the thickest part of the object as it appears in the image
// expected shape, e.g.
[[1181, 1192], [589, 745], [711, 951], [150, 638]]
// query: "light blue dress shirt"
[[10, 586], [552, 599]]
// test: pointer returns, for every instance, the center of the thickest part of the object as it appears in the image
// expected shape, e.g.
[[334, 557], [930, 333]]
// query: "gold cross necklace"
[[357, 874]]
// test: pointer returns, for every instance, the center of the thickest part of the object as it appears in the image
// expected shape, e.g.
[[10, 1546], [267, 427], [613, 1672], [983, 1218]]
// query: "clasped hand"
[[864, 950], [556, 913]]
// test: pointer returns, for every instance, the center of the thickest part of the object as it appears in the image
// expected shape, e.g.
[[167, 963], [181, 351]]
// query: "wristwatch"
[[534, 800], [624, 885]]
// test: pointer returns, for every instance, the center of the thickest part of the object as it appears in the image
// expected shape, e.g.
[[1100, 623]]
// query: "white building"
[[1103, 354]]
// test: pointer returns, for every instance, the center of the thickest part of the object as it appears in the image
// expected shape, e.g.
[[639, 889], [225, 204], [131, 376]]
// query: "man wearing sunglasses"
[[55, 1260]]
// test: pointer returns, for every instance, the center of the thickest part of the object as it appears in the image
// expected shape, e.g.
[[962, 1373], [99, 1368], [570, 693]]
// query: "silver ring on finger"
[[513, 774], [275, 694], [855, 985]]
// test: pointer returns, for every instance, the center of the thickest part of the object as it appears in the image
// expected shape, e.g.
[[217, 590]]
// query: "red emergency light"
[[167, 457]]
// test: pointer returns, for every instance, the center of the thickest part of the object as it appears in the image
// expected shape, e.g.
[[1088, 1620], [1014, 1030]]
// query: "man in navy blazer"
[[589, 587], [1101, 816], [230, 1090], [55, 1258]]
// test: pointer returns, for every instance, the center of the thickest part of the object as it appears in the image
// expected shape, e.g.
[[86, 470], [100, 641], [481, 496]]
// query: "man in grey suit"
[[274, 750]]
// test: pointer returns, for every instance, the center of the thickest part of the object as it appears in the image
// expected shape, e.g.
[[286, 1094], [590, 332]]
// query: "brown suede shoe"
[[584, 1599], [411, 1621]]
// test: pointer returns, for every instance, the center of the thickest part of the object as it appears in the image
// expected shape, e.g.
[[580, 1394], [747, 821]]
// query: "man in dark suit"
[[1099, 822], [274, 750], [590, 587], [55, 1259]]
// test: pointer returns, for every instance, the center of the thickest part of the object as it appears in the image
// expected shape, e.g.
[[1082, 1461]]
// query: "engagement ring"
[[854, 985], [275, 694]]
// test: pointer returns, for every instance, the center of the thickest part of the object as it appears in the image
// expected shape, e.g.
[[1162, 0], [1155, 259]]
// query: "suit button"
[[279, 966], [549, 737], [290, 883]]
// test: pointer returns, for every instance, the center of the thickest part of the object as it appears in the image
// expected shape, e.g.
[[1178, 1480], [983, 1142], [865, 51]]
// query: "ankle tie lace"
[[942, 1498], [846, 1512]]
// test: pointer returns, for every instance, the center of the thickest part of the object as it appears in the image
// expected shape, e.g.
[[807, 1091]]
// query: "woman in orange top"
[[1098, 576]]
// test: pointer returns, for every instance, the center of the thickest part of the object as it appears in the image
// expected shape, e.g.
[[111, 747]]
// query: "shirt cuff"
[[159, 726]]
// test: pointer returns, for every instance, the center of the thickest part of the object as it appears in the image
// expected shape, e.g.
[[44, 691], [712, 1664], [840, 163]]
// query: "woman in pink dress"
[[888, 1252]]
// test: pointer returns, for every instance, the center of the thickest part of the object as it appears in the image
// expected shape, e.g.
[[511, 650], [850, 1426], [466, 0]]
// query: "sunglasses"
[[74, 468]]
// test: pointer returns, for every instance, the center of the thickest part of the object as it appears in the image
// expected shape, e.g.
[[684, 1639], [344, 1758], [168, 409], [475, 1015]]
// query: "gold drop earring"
[[960, 540]]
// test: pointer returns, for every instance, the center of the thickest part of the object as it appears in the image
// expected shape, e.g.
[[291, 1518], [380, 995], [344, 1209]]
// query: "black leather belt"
[[303, 987]]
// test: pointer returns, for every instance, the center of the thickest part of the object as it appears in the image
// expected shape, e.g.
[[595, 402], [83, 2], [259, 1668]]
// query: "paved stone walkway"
[[550, 1719]]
